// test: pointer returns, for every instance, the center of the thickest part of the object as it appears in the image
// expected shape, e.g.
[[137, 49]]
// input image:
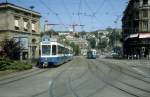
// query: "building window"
[[16, 23], [145, 13], [33, 27], [25, 25], [145, 25], [145, 2]]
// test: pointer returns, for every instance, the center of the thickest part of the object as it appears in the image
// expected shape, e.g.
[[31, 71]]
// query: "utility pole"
[[52, 24], [30, 37], [73, 26], [47, 27]]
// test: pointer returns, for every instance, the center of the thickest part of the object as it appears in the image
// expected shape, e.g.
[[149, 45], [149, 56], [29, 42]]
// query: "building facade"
[[82, 43], [136, 29], [23, 25]]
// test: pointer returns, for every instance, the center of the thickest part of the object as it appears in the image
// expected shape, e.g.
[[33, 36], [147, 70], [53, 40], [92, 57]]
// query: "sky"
[[91, 14]]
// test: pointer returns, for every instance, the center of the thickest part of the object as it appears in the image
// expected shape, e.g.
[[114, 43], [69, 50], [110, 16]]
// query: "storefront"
[[137, 46]]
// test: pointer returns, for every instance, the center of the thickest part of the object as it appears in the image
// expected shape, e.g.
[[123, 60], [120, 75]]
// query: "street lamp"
[[30, 38]]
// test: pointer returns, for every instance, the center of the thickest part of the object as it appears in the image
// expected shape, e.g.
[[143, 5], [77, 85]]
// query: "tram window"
[[60, 50], [46, 49], [67, 51], [54, 50]]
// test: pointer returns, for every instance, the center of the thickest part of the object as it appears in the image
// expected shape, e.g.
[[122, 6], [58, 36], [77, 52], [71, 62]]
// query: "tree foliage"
[[102, 44], [10, 49], [92, 42], [49, 33], [76, 48], [113, 37]]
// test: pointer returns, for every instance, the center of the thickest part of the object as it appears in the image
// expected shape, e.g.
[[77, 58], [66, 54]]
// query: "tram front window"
[[46, 49], [54, 50]]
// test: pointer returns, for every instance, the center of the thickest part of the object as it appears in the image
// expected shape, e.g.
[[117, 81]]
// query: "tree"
[[76, 48], [92, 42], [76, 35], [102, 44], [11, 49], [114, 37], [49, 33]]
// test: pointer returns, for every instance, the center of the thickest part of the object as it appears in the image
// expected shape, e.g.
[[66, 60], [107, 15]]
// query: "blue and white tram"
[[53, 54], [92, 54], [68, 53]]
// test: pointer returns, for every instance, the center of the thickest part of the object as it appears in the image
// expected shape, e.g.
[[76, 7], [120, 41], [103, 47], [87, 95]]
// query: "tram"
[[92, 54], [53, 53]]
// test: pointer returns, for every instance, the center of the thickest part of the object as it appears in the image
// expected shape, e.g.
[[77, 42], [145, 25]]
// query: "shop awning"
[[144, 35], [132, 36]]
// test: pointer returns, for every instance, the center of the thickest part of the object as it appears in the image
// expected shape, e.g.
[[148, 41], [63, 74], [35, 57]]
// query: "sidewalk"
[[145, 63]]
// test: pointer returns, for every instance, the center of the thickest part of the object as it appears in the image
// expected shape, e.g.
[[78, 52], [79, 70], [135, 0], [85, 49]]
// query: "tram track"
[[127, 72], [109, 78], [122, 84], [90, 68], [73, 89], [133, 65], [69, 80], [50, 89]]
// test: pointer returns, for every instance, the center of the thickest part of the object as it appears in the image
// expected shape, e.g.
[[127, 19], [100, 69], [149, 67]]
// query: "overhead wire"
[[79, 11], [20, 2], [92, 12], [100, 7], [53, 12], [67, 10], [115, 14]]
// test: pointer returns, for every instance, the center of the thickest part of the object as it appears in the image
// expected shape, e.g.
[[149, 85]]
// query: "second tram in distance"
[[92, 54]]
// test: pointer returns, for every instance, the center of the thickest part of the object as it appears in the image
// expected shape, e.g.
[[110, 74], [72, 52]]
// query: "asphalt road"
[[81, 77]]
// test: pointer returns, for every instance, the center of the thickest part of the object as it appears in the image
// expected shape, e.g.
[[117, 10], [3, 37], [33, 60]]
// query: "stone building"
[[136, 29], [23, 25], [82, 43]]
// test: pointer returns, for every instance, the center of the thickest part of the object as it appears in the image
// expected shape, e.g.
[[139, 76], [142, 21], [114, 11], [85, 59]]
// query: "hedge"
[[14, 65]]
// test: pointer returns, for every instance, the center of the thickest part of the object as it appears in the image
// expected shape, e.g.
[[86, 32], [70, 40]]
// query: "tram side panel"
[[53, 54]]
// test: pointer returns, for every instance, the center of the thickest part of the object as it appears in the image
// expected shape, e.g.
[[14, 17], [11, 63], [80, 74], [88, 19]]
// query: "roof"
[[13, 6]]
